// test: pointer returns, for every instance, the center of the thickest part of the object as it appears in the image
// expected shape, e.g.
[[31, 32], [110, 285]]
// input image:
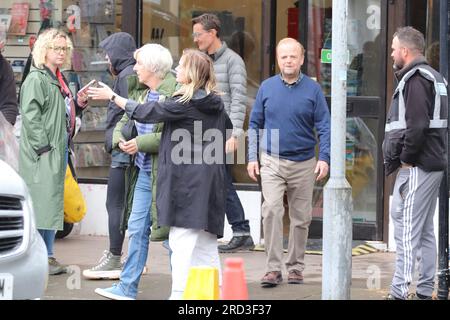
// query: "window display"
[[169, 23], [88, 23]]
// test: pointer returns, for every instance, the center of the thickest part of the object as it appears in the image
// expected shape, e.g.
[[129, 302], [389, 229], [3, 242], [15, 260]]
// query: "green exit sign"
[[326, 56]]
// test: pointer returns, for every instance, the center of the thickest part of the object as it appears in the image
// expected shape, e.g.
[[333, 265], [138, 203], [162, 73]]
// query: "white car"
[[23, 255]]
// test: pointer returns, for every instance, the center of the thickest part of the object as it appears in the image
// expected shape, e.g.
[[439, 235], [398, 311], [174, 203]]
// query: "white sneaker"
[[109, 267]]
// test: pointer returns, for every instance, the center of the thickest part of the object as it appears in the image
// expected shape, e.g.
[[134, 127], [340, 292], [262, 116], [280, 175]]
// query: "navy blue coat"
[[191, 191]]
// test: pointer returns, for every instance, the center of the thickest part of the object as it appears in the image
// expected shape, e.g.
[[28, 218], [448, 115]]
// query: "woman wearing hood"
[[119, 49], [191, 171]]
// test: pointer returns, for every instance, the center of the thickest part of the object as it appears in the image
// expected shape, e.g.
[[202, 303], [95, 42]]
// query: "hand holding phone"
[[83, 90]]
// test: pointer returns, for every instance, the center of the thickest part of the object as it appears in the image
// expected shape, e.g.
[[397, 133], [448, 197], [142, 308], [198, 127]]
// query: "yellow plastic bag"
[[74, 204]]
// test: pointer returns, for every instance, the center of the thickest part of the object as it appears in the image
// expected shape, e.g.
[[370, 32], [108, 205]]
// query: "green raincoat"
[[43, 114]]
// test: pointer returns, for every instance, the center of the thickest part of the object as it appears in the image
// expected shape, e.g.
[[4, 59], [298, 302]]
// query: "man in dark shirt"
[[414, 143]]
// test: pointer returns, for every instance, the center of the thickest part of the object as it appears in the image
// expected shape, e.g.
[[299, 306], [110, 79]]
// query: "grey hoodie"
[[120, 48]]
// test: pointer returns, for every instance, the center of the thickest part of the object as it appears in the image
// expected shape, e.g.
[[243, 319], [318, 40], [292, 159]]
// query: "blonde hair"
[[199, 72], [44, 43]]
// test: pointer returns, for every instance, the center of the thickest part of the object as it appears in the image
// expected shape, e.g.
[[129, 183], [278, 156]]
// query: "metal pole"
[[443, 272], [337, 220]]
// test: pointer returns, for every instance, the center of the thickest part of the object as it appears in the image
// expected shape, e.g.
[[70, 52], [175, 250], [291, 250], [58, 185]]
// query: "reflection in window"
[[169, 23], [361, 167], [364, 45]]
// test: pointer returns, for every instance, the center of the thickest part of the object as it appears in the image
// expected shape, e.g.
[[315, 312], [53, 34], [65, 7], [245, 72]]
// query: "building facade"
[[252, 28]]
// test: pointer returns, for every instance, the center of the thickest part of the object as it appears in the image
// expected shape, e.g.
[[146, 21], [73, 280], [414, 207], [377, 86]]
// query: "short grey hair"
[[411, 38], [156, 58]]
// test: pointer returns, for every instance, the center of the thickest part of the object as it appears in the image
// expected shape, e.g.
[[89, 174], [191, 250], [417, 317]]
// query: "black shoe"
[[419, 296], [237, 243]]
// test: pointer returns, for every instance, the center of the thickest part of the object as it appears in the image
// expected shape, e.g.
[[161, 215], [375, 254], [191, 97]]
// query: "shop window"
[[169, 23], [87, 22]]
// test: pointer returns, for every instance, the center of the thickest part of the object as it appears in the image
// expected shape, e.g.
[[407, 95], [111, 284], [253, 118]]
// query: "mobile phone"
[[86, 87]]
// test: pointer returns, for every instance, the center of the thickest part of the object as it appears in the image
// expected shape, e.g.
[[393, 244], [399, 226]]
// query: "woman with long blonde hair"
[[48, 111], [191, 187]]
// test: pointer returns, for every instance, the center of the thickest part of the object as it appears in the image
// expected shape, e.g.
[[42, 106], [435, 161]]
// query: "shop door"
[[310, 22]]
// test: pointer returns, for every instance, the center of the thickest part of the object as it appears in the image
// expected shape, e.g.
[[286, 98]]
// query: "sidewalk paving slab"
[[371, 274]]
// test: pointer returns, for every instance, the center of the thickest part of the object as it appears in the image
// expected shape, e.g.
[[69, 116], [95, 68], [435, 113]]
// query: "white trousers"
[[191, 248]]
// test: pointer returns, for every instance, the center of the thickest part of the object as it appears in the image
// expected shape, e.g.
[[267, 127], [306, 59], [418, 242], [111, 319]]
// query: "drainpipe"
[[443, 272]]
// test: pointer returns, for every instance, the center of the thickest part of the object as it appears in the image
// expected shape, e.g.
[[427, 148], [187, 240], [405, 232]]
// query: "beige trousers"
[[297, 179]]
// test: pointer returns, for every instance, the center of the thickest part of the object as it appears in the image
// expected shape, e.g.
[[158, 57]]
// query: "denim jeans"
[[139, 228], [234, 210], [49, 238]]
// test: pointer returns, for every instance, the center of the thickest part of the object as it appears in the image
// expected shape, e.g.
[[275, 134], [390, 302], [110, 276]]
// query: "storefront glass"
[[87, 22], [424, 16], [363, 86], [169, 23], [363, 81]]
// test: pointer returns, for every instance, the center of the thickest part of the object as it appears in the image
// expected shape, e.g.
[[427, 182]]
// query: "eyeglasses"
[[198, 34], [60, 49]]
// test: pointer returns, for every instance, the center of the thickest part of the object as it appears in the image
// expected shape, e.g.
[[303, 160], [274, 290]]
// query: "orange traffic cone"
[[234, 286]]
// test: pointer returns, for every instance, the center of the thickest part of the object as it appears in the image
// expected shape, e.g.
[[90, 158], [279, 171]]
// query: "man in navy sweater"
[[291, 109]]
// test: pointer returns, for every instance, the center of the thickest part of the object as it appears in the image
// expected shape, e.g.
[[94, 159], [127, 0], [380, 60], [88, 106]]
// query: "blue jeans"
[[49, 238], [234, 210], [139, 228]]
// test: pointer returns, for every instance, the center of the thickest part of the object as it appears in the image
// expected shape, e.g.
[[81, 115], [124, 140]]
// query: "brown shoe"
[[271, 279], [295, 277]]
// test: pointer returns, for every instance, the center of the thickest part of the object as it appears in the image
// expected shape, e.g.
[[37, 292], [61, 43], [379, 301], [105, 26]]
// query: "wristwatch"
[[113, 97]]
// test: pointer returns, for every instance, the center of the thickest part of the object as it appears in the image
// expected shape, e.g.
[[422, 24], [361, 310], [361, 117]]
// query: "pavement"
[[371, 274]]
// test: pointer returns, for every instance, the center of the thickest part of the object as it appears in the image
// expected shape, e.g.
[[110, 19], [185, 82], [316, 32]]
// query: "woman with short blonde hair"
[[191, 170], [47, 108], [47, 41]]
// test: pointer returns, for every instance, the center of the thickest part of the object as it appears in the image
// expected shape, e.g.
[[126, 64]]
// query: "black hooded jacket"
[[191, 176], [418, 144], [8, 98], [120, 48]]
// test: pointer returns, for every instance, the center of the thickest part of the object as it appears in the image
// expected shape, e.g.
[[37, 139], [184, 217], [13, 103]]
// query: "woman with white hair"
[[153, 64], [48, 110], [191, 174]]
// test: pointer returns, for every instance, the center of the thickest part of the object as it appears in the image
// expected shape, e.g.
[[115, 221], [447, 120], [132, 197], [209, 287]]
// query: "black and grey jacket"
[[416, 125]]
